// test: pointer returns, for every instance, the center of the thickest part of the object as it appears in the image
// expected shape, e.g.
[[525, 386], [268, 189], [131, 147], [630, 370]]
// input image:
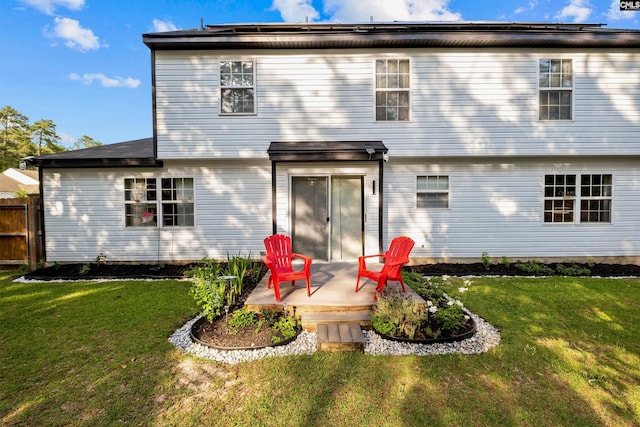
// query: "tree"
[[86, 142], [45, 137], [15, 138]]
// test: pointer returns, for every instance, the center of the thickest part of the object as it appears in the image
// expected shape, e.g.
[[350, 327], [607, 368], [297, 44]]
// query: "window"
[[143, 208], [556, 89], [140, 206], [593, 200], [392, 89], [432, 191], [559, 198], [237, 87], [177, 202]]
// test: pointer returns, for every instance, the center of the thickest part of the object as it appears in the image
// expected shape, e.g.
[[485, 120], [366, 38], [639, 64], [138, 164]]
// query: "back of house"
[[515, 140]]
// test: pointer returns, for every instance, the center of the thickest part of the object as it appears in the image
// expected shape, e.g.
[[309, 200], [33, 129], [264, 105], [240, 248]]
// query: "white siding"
[[85, 213], [464, 103], [496, 207]]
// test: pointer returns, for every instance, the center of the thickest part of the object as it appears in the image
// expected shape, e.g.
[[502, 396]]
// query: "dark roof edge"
[[322, 36], [95, 163]]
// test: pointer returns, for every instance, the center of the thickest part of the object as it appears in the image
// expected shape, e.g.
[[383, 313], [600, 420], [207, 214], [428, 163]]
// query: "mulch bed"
[[478, 269], [89, 271]]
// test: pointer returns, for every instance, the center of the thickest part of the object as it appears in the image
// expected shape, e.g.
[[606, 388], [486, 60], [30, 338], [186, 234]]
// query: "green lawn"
[[89, 353]]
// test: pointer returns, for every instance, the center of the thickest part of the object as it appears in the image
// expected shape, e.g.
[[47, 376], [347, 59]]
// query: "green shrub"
[[535, 268], [449, 318], [269, 316], [572, 270], [243, 318], [396, 315], [486, 260], [506, 262], [287, 327], [405, 314], [215, 287]]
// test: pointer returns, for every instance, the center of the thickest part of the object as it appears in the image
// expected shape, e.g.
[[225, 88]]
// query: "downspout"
[[380, 207], [153, 104], [41, 241], [274, 210]]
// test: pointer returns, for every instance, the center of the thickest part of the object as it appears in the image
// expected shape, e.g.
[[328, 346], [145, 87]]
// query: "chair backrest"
[[279, 251], [399, 251]]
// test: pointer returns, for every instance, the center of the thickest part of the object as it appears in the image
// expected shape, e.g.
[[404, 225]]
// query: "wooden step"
[[333, 337], [311, 320]]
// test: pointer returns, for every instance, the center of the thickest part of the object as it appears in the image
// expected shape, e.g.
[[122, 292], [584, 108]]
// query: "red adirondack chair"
[[396, 256], [279, 261]]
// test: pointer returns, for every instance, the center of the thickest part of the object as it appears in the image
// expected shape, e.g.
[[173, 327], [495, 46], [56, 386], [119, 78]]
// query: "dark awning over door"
[[326, 151]]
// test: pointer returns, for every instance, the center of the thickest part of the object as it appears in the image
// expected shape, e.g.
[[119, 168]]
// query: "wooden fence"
[[21, 232]]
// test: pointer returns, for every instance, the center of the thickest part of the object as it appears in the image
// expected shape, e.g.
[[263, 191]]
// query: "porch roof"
[[326, 151]]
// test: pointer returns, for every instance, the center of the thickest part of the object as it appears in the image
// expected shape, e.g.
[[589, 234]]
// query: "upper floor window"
[[432, 191], [174, 207], [563, 198], [237, 87], [392, 89], [556, 89]]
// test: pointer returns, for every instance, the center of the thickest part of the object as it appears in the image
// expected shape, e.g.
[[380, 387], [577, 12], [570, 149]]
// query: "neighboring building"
[[16, 182], [518, 140]]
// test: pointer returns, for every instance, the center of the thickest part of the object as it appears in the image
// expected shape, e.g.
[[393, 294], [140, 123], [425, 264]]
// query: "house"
[[14, 182], [516, 140]]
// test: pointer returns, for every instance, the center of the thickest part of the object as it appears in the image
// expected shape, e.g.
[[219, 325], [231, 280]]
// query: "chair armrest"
[[362, 260], [370, 256], [306, 259], [267, 261]]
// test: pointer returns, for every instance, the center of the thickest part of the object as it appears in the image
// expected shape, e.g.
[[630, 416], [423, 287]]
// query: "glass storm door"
[[327, 220], [310, 219], [346, 218]]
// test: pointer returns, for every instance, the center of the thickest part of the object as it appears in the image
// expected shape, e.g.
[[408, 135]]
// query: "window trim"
[[578, 198], [254, 86], [409, 89], [571, 90], [437, 191]]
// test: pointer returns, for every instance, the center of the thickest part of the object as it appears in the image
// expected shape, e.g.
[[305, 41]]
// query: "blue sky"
[[82, 63]]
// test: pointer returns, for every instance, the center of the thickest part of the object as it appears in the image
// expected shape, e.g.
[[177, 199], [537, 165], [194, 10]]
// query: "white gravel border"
[[485, 338]]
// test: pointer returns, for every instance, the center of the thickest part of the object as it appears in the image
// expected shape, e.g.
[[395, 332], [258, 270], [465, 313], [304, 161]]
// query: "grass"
[[88, 353]]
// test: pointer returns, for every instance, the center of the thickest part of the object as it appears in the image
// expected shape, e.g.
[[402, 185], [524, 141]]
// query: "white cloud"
[[49, 6], [615, 14], [389, 10], [73, 34], [160, 26], [66, 139], [532, 5], [105, 81], [295, 10], [576, 10]]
